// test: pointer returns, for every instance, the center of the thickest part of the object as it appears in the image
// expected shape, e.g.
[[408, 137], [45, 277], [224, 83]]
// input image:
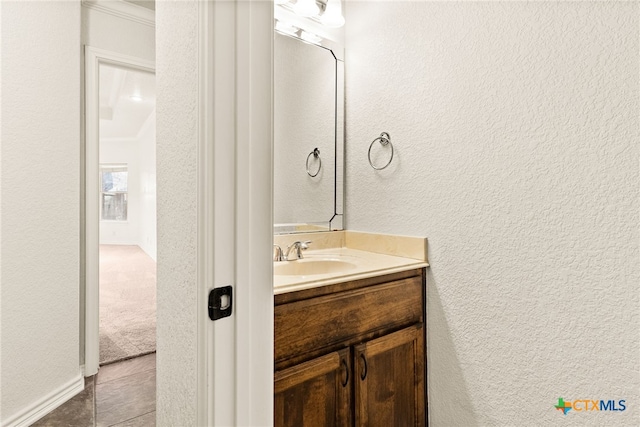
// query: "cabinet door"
[[389, 380], [315, 393]]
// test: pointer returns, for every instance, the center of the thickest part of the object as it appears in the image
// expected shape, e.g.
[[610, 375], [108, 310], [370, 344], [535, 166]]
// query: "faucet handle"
[[305, 245], [297, 246], [301, 246], [277, 253]]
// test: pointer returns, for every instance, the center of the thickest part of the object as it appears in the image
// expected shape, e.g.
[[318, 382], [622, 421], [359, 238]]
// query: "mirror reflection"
[[308, 136]]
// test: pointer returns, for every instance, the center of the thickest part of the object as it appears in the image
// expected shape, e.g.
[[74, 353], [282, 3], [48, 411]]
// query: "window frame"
[[112, 167]]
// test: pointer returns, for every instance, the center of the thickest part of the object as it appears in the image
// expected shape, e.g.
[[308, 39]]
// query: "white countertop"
[[365, 264]]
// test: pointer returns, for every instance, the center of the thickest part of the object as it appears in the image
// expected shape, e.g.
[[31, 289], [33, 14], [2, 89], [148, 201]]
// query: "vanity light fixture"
[[310, 37], [332, 16], [286, 28], [306, 8]]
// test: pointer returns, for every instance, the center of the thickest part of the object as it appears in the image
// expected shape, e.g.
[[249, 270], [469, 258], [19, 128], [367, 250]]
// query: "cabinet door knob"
[[346, 372], [363, 375]]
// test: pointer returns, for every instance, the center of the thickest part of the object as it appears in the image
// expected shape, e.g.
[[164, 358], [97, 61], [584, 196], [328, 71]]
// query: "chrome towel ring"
[[316, 154], [385, 139]]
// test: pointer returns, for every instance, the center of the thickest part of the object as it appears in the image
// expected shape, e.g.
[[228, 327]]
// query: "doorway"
[[120, 209], [127, 213]]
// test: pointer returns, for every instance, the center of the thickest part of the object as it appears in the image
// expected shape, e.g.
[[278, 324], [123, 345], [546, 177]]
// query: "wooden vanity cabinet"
[[389, 383], [352, 354], [316, 392]]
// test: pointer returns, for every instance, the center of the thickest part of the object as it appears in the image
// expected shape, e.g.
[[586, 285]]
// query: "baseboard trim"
[[48, 403]]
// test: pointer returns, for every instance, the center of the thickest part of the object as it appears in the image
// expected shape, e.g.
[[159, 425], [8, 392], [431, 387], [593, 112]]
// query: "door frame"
[[254, 205], [94, 57], [235, 213]]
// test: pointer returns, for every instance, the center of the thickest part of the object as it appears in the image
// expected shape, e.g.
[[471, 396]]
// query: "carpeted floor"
[[127, 303]]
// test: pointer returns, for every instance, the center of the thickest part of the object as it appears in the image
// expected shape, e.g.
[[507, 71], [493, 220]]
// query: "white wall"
[[139, 154], [124, 232], [40, 204], [117, 34], [177, 154], [516, 134], [147, 239]]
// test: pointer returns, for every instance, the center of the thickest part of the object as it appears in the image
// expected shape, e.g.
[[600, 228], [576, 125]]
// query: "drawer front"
[[325, 322]]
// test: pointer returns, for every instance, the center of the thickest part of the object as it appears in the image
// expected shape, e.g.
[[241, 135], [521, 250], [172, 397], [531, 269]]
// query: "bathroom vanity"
[[350, 344], [350, 315]]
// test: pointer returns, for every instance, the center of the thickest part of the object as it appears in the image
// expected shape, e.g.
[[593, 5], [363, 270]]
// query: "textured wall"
[[106, 31], [40, 200], [516, 134], [177, 136]]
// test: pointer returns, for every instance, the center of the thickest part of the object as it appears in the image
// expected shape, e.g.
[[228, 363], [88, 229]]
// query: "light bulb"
[[332, 16], [306, 8]]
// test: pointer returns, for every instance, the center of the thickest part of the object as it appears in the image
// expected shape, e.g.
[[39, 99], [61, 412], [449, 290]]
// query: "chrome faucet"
[[297, 247]]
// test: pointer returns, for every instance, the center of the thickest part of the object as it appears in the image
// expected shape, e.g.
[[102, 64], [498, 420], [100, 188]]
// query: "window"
[[113, 192]]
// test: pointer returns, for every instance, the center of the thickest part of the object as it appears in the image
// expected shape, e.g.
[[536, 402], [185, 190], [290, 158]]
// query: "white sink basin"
[[308, 267]]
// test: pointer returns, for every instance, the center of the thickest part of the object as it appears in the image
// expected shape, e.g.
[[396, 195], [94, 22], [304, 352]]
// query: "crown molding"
[[123, 9]]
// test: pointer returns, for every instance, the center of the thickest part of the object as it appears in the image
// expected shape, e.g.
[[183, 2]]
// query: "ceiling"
[[127, 99]]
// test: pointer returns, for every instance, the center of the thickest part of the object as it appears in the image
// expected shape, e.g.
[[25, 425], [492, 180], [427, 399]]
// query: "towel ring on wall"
[[385, 139], [316, 154]]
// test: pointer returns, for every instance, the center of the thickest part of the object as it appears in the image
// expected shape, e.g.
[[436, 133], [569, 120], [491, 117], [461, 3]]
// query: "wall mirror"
[[308, 135]]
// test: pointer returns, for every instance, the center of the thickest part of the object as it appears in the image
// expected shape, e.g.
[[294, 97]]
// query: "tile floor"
[[122, 394]]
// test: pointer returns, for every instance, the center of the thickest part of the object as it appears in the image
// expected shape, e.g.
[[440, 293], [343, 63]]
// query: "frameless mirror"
[[308, 136]]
